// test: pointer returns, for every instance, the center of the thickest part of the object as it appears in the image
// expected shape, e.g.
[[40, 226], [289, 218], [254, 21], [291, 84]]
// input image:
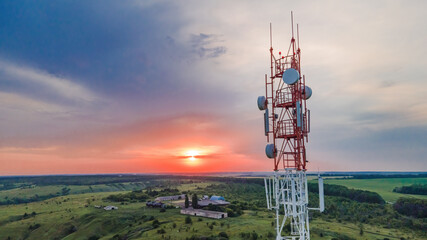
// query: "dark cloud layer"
[[204, 45]]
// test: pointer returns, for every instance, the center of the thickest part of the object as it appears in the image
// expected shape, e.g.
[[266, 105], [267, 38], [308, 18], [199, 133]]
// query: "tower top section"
[[286, 116]]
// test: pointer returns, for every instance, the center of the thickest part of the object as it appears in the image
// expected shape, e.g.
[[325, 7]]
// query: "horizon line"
[[209, 173]]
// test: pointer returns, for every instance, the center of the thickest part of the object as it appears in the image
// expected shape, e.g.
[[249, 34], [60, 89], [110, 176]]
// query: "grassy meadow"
[[382, 186], [74, 189]]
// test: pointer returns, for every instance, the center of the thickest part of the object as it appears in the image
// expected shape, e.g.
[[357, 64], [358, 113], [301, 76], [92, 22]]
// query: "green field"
[[57, 215], [383, 186]]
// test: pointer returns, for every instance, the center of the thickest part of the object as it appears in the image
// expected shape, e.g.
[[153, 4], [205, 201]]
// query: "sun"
[[196, 156], [192, 155]]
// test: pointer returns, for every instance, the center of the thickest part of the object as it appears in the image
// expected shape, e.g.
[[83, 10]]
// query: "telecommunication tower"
[[286, 125]]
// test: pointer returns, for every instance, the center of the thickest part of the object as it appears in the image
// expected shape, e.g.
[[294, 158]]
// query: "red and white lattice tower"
[[286, 125]]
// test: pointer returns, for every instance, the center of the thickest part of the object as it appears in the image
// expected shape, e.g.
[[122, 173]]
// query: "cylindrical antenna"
[[298, 35], [292, 23], [271, 37]]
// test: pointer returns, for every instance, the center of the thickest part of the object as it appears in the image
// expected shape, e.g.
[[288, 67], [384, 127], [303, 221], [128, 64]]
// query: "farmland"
[[74, 216]]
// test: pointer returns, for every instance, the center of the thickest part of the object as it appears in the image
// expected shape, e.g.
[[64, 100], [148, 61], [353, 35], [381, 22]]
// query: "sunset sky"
[[171, 86]]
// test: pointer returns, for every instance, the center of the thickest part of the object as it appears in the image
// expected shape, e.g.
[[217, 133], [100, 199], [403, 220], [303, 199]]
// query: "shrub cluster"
[[128, 197], [411, 207]]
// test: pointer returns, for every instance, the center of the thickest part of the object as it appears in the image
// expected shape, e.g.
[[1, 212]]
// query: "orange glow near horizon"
[[145, 147]]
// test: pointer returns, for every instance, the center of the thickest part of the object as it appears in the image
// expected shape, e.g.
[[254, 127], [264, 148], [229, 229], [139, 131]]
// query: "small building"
[[155, 204], [109, 208], [203, 213], [206, 202], [170, 198], [215, 198]]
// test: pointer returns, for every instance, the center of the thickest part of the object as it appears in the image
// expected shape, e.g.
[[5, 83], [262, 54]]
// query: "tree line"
[[419, 189], [353, 194]]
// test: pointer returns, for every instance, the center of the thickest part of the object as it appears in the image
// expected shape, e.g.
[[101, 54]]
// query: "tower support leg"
[[288, 198]]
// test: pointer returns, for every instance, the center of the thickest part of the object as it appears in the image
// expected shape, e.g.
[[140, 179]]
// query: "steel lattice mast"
[[286, 125]]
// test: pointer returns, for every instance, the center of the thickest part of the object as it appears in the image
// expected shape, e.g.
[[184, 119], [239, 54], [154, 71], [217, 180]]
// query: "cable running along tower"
[[286, 126]]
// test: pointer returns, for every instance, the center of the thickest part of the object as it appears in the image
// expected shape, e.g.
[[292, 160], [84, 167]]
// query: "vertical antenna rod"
[[271, 37], [292, 23]]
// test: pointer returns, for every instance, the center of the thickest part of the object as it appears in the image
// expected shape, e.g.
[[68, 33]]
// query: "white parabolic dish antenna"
[[290, 76], [270, 151], [262, 104], [307, 92]]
